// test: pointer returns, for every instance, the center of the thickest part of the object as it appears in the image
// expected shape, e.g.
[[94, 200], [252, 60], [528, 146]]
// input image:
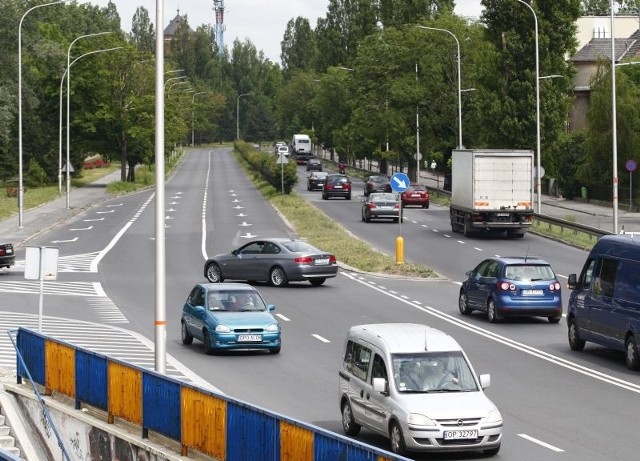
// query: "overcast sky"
[[263, 22]]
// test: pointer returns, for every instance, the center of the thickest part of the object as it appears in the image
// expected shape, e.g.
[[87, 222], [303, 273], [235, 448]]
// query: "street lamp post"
[[193, 100], [614, 128], [460, 145], [238, 114], [20, 185], [68, 182], [60, 127], [538, 168]]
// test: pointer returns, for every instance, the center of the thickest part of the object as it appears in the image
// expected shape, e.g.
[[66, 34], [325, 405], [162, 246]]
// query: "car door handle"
[[361, 393]]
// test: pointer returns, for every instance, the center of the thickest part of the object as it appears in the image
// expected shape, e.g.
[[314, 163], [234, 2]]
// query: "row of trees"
[[375, 78]]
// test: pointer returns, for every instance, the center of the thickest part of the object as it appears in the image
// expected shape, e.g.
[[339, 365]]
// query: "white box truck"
[[301, 148], [491, 191]]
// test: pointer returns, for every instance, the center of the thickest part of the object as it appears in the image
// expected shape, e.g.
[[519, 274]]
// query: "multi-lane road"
[[557, 404]]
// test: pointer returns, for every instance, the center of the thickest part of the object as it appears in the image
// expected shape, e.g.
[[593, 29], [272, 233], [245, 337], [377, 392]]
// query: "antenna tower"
[[218, 7]]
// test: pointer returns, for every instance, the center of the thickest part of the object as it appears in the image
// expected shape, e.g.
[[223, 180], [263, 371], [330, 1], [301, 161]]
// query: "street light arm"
[[238, 113], [460, 145]]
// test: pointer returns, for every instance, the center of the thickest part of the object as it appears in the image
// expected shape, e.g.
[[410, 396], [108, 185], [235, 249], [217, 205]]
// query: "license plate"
[[532, 292], [9, 251], [322, 261], [454, 435], [338, 187], [415, 195], [249, 338], [502, 215]]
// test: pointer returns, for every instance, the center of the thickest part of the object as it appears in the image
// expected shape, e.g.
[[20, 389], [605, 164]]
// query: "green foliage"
[[35, 176], [282, 177]]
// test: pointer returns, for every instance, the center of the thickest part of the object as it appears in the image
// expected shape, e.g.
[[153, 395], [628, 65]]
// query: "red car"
[[416, 194]]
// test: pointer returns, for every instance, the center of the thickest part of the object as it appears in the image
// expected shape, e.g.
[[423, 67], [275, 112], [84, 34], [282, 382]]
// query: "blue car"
[[512, 286], [227, 316]]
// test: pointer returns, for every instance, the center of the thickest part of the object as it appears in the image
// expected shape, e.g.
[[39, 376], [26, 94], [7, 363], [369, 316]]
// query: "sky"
[[263, 22]]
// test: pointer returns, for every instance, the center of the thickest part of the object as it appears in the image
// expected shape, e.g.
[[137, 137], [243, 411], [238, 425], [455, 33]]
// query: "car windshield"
[[529, 272], [416, 188], [426, 372], [298, 246], [335, 179], [235, 300], [378, 179], [386, 197]]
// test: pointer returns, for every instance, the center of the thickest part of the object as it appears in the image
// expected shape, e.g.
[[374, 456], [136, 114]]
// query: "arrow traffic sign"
[[399, 182]]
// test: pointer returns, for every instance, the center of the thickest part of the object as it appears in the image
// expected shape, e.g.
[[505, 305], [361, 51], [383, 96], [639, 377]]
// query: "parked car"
[[381, 205], [336, 185], [512, 286], [314, 164], [415, 194], [226, 316], [377, 183], [274, 260], [315, 180], [7, 256]]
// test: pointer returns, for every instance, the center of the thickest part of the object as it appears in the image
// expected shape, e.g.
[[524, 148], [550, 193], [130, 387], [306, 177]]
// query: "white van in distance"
[[414, 384], [301, 147]]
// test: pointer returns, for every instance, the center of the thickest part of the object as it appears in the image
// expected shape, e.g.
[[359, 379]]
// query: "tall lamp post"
[[460, 145], [68, 182], [238, 114], [193, 100], [60, 127], [614, 129], [538, 168], [20, 186]]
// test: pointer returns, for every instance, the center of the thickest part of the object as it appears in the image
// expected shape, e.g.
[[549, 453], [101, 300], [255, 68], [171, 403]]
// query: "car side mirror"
[[271, 307], [380, 385], [198, 309], [485, 381], [572, 282]]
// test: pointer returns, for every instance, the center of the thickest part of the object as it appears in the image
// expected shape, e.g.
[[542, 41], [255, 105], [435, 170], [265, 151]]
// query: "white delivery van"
[[301, 147], [414, 384]]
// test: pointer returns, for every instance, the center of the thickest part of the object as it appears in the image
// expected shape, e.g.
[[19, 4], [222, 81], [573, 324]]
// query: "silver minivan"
[[415, 385]]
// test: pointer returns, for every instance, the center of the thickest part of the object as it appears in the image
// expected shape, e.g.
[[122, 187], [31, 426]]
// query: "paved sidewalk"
[[52, 214]]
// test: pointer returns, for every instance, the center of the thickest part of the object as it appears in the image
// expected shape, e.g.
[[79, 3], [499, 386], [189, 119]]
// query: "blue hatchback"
[[512, 286], [227, 316]]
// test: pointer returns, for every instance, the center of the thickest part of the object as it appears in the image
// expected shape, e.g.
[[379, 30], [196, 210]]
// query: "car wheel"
[[631, 355], [274, 351], [206, 339], [463, 304], [492, 452], [349, 197], [554, 319], [184, 333], [324, 196], [277, 277], [214, 274], [308, 187], [349, 426], [362, 214], [492, 312], [575, 342], [397, 439], [426, 206], [317, 282], [396, 219], [467, 230], [367, 217]]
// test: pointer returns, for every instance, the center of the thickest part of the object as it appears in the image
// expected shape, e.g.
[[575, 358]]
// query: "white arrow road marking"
[[245, 224], [249, 235], [168, 217], [241, 215], [64, 241], [173, 203], [84, 228], [236, 201], [233, 195], [238, 207]]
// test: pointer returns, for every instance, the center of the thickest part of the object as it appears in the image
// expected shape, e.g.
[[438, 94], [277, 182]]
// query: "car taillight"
[[555, 286], [506, 286], [303, 260], [372, 206], [332, 259]]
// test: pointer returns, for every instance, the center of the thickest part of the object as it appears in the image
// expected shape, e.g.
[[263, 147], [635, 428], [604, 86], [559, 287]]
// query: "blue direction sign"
[[399, 182], [631, 166]]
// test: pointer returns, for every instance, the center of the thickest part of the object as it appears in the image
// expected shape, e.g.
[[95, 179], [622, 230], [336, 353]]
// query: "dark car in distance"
[[415, 194], [7, 256], [315, 180], [314, 164], [512, 286], [277, 260], [377, 183], [336, 185]]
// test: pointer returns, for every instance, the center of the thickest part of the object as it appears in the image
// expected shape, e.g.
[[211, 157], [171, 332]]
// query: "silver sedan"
[[274, 260]]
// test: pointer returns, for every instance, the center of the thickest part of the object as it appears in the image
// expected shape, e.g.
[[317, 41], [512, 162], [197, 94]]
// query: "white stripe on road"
[[324, 340], [541, 443]]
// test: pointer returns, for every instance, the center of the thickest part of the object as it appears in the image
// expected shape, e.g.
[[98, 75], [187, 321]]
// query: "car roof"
[[520, 260], [405, 337], [378, 176], [227, 286]]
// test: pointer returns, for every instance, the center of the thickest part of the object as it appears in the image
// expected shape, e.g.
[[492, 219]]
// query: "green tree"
[[142, 32], [298, 46]]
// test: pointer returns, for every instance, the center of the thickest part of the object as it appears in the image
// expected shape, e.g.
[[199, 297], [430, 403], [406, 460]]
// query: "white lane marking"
[[541, 443], [627, 385], [280, 316], [91, 220], [447, 236], [105, 212], [64, 241], [114, 205], [324, 340], [563, 276], [461, 241], [82, 228], [478, 249]]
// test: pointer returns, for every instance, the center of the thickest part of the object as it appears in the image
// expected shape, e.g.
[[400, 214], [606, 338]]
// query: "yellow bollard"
[[399, 250]]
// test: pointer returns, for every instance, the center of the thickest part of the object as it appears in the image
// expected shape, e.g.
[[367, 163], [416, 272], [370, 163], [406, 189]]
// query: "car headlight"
[[493, 417], [416, 419], [223, 329], [273, 328]]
